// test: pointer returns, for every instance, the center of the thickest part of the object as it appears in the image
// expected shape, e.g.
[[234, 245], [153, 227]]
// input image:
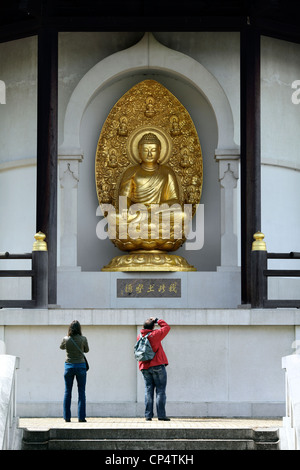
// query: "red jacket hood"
[[145, 332]]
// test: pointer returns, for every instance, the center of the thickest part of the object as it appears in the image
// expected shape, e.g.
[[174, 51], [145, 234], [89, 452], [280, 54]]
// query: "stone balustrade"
[[8, 419]]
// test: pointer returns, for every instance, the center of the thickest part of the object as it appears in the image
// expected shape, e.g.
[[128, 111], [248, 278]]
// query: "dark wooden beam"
[[250, 152], [19, 30], [259, 282], [46, 204], [285, 31], [161, 22]]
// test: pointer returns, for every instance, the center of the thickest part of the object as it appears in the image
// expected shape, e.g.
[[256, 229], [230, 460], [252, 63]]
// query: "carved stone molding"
[[228, 176], [69, 178]]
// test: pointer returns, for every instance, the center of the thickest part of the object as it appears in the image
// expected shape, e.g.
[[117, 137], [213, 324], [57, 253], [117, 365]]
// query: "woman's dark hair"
[[74, 328]]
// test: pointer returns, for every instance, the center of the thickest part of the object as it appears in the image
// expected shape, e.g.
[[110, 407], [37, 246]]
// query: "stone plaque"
[[139, 288]]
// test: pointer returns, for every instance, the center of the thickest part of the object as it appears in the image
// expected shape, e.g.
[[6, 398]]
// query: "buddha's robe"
[[148, 188], [156, 186]]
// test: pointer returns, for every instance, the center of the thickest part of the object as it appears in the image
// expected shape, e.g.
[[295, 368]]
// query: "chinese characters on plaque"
[[148, 287]]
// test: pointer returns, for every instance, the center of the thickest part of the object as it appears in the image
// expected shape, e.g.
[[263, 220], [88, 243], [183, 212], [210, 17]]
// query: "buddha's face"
[[149, 153]]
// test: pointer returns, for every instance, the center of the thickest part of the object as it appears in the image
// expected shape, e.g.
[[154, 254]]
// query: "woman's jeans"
[[155, 378], [71, 371]]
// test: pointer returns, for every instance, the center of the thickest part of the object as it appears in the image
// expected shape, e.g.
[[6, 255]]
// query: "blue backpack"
[[143, 350]]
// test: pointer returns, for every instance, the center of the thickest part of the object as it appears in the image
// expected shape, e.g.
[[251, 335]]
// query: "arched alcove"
[[148, 54], [93, 253], [88, 108]]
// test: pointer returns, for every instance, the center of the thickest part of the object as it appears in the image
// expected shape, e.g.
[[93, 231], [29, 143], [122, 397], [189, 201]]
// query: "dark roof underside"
[[280, 18]]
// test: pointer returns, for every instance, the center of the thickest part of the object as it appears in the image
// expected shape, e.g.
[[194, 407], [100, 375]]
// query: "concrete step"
[[154, 439]]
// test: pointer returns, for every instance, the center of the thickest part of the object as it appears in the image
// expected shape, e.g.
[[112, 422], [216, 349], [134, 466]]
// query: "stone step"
[[155, 445], [154, 439]]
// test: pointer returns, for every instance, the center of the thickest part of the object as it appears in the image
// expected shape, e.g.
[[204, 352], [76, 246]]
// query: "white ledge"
[[131, 316]]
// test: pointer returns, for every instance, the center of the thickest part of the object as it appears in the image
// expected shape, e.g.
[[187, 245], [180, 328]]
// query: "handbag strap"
[[76, 345]]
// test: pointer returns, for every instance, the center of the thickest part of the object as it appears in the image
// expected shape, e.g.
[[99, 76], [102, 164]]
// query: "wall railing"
[[259, 280], [38, 274], [261, 273]]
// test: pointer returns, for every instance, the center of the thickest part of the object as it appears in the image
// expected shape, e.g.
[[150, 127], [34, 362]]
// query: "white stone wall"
[[280, 67], [221, 362], [280, 140], [18, 124]]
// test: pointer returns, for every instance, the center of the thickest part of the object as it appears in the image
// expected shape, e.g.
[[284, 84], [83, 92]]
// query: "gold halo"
[[136, 135]]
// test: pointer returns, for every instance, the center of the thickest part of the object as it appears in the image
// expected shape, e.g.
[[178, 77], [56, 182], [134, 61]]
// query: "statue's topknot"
[[149, 138]]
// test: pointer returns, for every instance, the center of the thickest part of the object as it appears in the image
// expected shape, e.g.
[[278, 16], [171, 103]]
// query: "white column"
[[69, 178], [228, 177]]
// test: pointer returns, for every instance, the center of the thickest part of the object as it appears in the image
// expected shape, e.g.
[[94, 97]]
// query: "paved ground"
[[48, 423]]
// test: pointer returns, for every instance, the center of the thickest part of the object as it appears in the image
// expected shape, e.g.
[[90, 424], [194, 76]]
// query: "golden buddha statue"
[[150, 215], [149, 182], [147, 216]]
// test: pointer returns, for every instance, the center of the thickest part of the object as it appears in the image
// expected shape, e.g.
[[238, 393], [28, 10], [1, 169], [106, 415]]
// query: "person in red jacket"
[[154, 371]]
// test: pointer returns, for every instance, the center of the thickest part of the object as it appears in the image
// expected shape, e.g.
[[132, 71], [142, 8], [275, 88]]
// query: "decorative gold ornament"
[[39, 244], [148, 261], [259, 244], [150, 111], [148, 153], [123, 126]]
